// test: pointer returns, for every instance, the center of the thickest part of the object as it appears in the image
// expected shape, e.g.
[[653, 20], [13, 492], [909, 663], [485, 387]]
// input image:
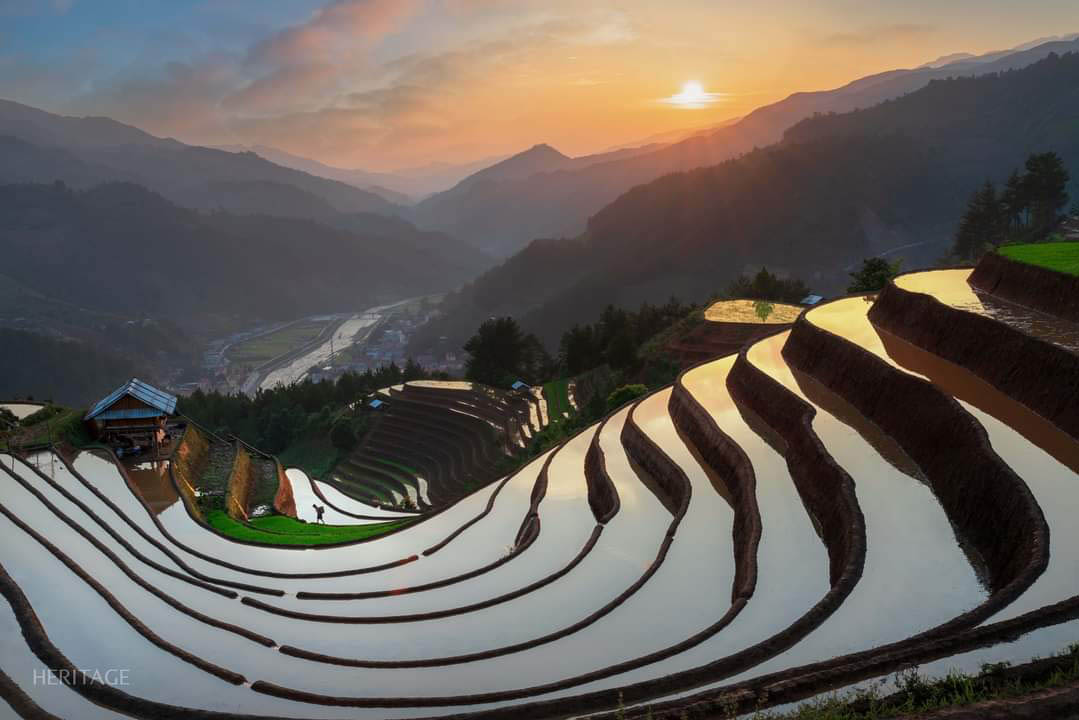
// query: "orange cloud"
[[339, 23]]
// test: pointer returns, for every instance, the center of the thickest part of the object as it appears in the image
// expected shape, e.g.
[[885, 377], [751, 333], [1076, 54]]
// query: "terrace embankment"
[[716, 338], [1048, 291], [1040, 375], [602, 495], [669, 478], [1004, 525], [827, 491], [188, 462], [730, 463], [284, 502], [241, 481]]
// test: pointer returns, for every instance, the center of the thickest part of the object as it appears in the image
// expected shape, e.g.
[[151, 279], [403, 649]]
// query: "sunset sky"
[[386, 84]]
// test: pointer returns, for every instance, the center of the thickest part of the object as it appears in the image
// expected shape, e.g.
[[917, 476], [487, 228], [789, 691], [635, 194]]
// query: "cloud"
[[333, 28], [899, 32]]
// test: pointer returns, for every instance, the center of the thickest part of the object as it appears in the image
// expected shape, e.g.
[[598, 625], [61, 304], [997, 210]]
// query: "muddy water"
[[1042, 456], [154, 485], [951, 288]]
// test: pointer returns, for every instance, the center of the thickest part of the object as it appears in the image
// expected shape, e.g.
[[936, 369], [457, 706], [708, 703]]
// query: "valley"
[[386, 359]]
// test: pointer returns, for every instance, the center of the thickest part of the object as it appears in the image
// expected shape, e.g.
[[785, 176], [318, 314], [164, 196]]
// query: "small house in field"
[[133, 415]]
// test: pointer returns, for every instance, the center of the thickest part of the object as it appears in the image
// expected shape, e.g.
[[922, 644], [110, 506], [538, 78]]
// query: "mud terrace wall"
[[730, 463], [1049, 291], [241, 481], [1038, 374], [1004, 524], [187, 464], [284, 502], [602, 495], [826, 489], [667, 474]]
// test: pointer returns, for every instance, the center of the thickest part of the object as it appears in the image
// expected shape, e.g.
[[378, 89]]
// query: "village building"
[[133, 417]]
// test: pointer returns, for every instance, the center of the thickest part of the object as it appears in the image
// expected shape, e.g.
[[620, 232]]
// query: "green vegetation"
[[500, 354], [297, 423], [53, 423], [918, 694], [1060, 256], [624, 394], [266, 347], [1026, 209], [767, 286], [556, 393], [315, 455], [763, 309], [67, 371], [283, 530], [873, 275]]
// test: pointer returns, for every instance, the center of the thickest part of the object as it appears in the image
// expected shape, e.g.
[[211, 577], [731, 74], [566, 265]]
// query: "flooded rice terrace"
[[682, 547]]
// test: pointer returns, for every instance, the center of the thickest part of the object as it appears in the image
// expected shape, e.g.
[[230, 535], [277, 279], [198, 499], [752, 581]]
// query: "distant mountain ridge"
[[838, 188], [503, 216], [402, 187], [103, 150]]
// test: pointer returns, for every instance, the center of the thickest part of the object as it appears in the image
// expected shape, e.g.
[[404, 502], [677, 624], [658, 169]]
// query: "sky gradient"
[[387, 84]]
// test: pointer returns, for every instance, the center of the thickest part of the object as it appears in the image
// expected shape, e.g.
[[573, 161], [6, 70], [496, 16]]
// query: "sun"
[[692, 96]]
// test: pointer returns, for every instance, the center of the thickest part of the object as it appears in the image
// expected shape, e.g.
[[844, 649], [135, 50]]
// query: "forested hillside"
[[124, 249]]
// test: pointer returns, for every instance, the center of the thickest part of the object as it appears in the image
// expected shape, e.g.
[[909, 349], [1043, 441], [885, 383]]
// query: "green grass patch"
[[266, 347], [1060, 256], [55, 423], [556, 393], [315, 455], [283, 530]]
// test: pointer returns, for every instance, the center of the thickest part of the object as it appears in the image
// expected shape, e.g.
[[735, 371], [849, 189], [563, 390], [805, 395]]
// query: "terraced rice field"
[[837, 501], [435, 441]]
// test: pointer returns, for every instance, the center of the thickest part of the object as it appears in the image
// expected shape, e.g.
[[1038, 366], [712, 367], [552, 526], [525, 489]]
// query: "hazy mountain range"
[[836, 189], [559, 197]]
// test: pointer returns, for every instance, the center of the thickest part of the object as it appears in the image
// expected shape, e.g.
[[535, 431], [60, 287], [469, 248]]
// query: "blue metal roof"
[[130, 414], [376, 403], [139, 390], [519, 385]]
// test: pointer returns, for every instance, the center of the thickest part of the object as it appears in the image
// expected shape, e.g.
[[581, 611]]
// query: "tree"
[[496, 352], [342, 435], [763, 308], [1014, 201], [578, 351], [873, 275], [984, 223], [767, 286], [624, 394], [1047, 183]]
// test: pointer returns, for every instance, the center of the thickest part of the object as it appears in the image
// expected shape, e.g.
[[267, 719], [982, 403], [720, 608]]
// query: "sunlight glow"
[[692, 97]]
